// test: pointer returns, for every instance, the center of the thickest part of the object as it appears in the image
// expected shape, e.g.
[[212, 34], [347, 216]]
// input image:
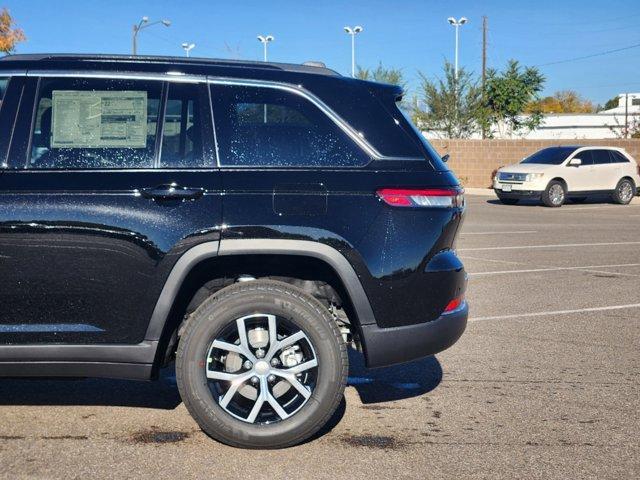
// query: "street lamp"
[[187, 47], [457, 24], [144, 23], [353, 32], [265, 40]]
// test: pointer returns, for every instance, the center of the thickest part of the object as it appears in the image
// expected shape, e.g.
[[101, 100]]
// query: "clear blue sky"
[[411, 35]]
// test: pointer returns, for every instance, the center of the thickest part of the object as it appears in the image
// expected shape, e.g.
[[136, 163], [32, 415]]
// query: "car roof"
[[150, 63]]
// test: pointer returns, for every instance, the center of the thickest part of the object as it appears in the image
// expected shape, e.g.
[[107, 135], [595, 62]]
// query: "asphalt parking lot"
[[544, 383]]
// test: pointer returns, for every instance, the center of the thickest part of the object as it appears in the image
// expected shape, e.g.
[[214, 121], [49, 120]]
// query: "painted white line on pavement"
[[512, 232], [578, 209], [557, 312], [555, 269], [558, 245]]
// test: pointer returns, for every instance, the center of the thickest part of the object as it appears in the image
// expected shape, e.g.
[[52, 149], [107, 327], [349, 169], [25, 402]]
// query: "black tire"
[[297, 308], [555, 194], [508, 201], [578, 199], [624, 192]]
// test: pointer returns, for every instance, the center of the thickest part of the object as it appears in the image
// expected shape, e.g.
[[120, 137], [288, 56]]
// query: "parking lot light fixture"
[[187, 47], [142, 24], [353, 32], [265, 40], [456, 24]]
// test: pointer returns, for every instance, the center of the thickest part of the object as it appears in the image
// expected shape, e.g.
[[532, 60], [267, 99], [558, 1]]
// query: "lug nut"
[[271, 378], [247, 364], [275, 362], [260, 353], [255, 380]]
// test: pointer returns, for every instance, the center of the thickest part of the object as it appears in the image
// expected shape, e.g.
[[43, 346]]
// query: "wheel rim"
[[625, 191], [556, 194], [261, 369]]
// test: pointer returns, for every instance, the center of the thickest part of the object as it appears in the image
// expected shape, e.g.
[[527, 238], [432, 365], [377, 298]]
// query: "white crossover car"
[[556, 173]]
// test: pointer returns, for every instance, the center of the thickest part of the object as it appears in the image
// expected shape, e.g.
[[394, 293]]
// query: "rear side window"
[[95, 124], [182, 145], [600, 157], [268, 127], [617, 157]]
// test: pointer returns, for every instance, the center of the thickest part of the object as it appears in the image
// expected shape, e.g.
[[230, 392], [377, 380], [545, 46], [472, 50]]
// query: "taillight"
[[454, 304], [429, 197]]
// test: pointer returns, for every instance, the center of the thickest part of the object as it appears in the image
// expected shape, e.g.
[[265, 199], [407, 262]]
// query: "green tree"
[[452, 105], [9, 34], [508, 94], [381, 74], [611, 103]]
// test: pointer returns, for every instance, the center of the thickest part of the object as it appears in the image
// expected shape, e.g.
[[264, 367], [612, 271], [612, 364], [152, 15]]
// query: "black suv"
[[245, 220]]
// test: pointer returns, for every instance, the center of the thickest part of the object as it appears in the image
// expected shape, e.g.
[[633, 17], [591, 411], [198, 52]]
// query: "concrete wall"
[[473, 161]]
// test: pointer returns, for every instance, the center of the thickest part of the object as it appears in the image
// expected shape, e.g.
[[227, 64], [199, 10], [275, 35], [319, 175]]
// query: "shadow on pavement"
[[161, 394], [393, 383], [373, 386]]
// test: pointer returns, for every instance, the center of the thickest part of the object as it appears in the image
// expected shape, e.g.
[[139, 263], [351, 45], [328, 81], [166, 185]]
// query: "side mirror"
[[575, 162], [445, 158]]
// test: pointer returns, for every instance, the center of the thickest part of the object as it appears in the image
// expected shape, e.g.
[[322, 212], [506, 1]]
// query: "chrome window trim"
[[176, 76]]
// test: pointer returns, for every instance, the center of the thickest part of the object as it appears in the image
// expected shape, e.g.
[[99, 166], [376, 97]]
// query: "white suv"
[[555, 173]]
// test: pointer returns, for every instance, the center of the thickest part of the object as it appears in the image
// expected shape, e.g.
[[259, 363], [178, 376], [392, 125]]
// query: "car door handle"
[[172, 191]]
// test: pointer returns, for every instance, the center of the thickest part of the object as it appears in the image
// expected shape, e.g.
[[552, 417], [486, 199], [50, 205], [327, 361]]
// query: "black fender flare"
[[307, 248]]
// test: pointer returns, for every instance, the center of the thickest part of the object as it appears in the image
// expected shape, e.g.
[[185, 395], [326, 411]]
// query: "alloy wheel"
[[261, 369]]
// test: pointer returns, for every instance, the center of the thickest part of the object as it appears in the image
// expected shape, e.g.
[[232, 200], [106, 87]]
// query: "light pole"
[[353, 32], [144, 23], [457, 24], [187, 47], [265, 40]]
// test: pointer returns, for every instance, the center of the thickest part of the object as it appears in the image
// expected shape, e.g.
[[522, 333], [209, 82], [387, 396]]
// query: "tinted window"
[[600, 157], [182, 131], [586, 157], [95, 123], [550, 156], [3, 87], [635, 101], [617, 157], [274, 128]]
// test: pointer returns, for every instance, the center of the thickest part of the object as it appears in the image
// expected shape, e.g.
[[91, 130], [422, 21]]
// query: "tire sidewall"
[[546, 199], [220, 310], [616, 194]]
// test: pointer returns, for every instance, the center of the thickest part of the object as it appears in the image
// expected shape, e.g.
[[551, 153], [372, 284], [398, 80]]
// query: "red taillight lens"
[[453, 305], [429, 197]]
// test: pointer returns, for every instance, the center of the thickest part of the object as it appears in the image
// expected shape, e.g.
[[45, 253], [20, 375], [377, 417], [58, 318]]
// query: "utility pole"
[[484, 69], [626, 115]]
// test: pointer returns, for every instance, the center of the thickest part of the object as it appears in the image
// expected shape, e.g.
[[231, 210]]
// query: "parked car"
[[556, 173], [247, 220]]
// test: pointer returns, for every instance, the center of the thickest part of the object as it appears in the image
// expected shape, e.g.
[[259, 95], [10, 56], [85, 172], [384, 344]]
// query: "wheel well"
[[627, 177], [562, 181], [312, 275]]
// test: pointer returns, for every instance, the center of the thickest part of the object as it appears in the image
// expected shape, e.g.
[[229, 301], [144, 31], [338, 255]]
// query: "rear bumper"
[[388, 346]]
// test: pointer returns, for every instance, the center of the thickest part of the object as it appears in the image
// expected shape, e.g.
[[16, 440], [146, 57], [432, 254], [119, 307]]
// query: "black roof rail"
[[159, 59]]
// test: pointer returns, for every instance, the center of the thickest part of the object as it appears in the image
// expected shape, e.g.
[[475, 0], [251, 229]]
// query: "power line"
[[599, 54]]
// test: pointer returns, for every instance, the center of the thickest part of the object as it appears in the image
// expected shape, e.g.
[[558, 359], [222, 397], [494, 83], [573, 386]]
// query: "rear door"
[[605, 172], [98, 199]]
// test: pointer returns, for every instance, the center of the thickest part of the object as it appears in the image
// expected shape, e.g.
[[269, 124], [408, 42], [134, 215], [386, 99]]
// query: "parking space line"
[[557, 312], [557, 245], [512, 232], [466, 257], [578, 209], [555, 269]]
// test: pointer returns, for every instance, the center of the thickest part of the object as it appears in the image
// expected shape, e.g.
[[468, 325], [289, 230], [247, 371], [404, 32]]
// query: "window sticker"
[[99, 119]]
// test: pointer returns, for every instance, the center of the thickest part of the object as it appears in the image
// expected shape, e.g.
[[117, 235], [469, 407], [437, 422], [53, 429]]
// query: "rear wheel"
[[508, 201], [554, 195], [261, 364], [624, 192]]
